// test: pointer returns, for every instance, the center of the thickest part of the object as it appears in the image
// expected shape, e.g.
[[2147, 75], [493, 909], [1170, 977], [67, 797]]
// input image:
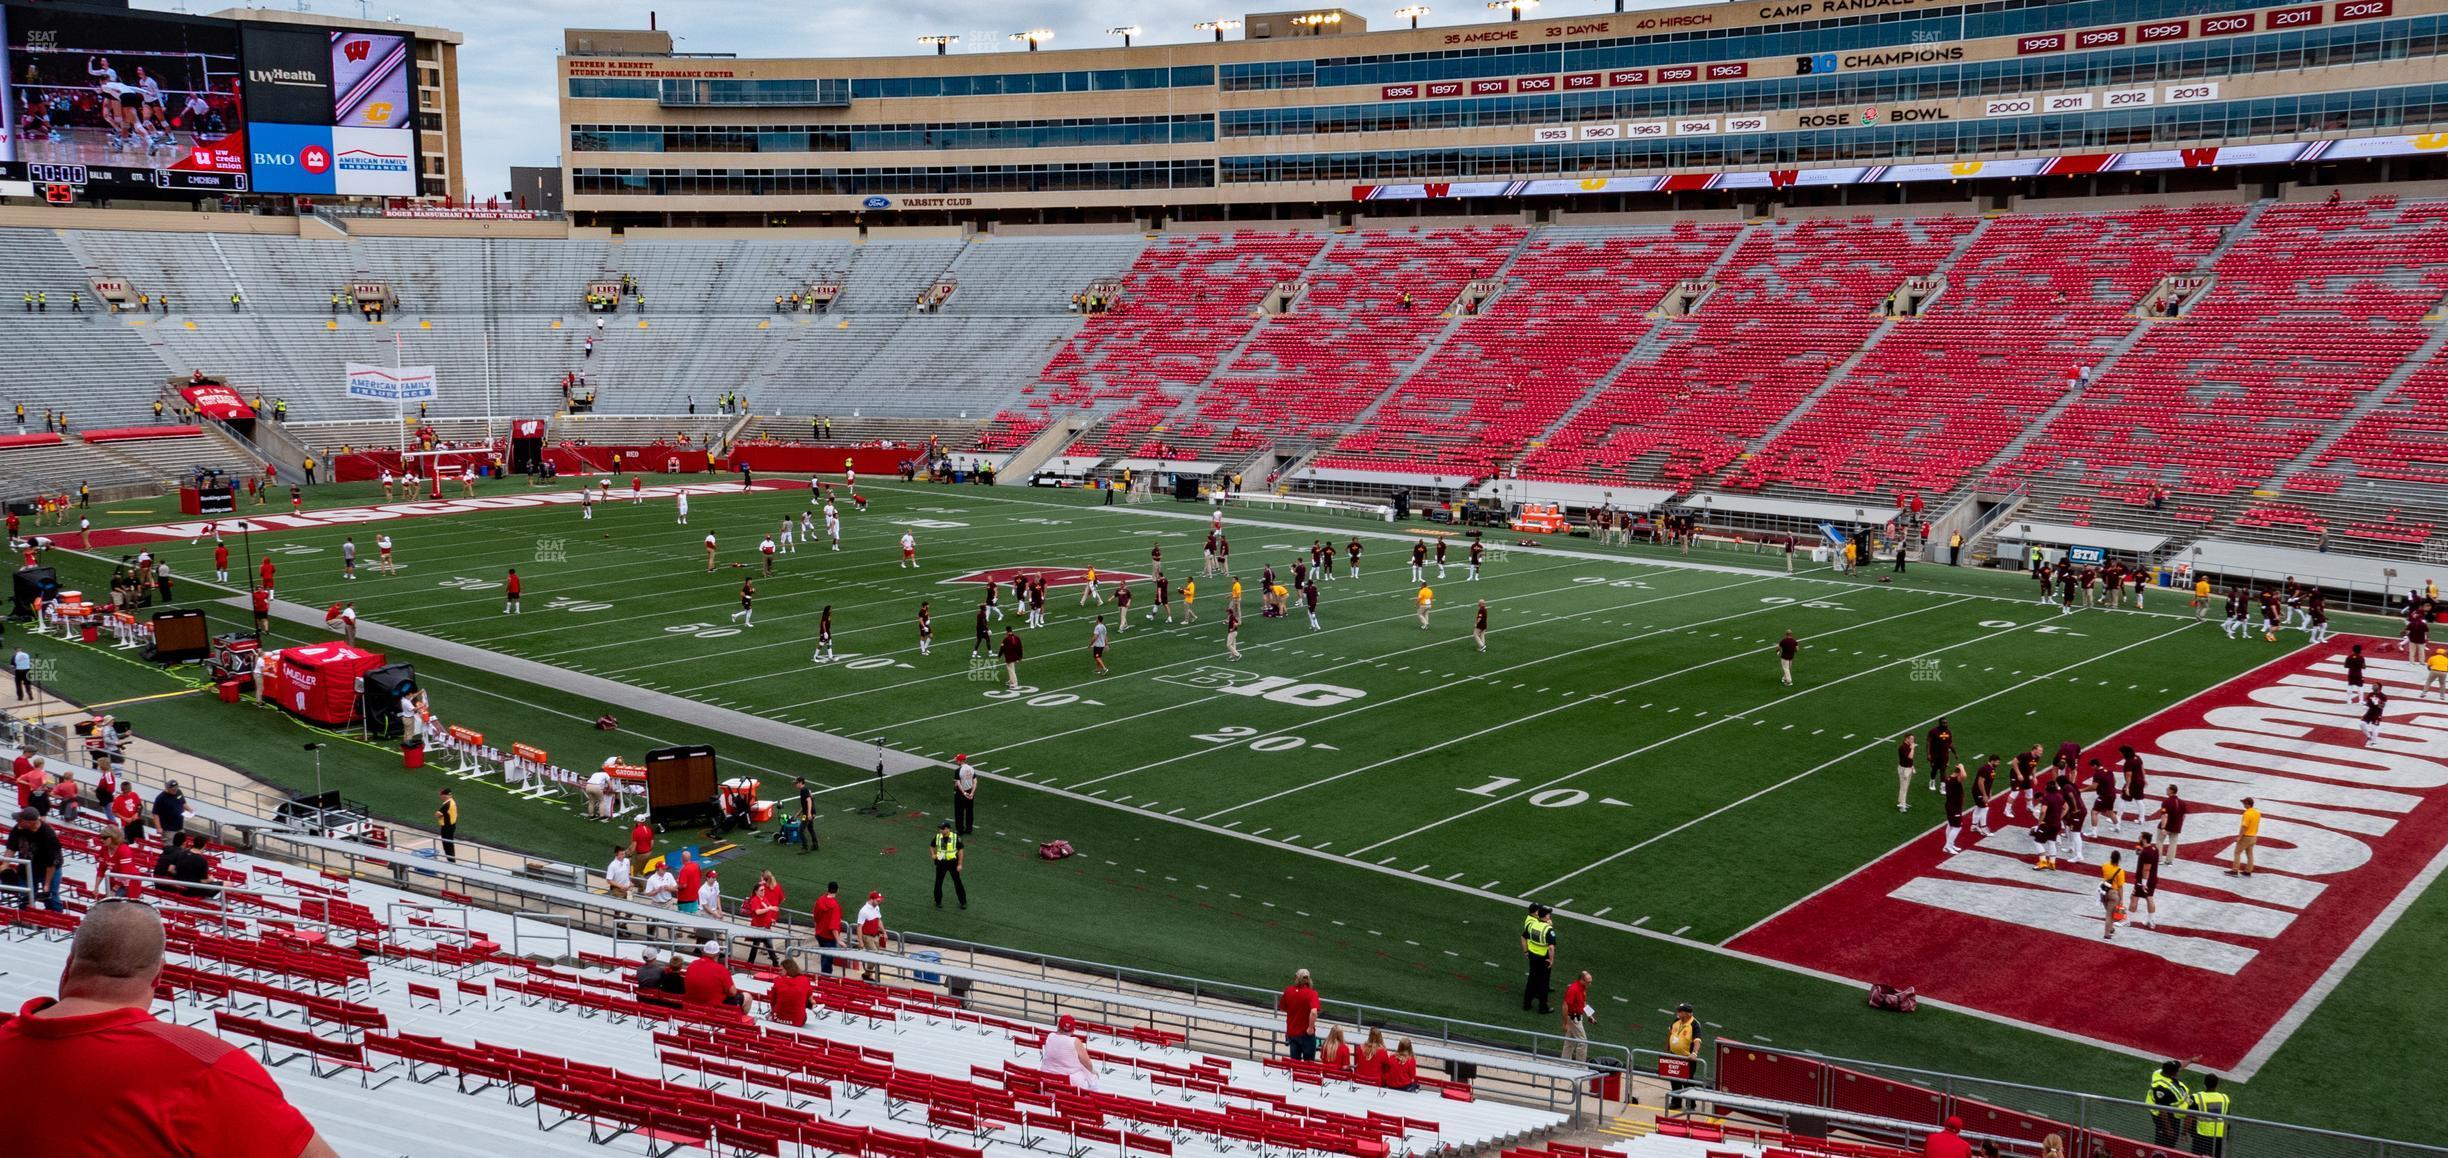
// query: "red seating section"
[[1311, 371], [2404, 440], [1185, 302], [2034, 299], [1793, 302], [2317, 304], [1573, 305]]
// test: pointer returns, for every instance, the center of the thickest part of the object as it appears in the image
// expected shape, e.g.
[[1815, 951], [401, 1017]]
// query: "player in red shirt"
[[263, 611], [266, 572], [140, 1086], [510, 594], [220, 562], [637, 492], [1479, 626]]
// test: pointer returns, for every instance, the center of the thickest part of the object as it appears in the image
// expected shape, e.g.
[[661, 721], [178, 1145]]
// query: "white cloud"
[[508, 114]]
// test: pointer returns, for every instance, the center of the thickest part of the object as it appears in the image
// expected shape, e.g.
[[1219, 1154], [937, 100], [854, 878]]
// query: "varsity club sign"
[[2350, 835]]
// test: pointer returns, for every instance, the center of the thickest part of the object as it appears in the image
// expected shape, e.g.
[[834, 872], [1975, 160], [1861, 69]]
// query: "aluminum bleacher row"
[[392, 1019]]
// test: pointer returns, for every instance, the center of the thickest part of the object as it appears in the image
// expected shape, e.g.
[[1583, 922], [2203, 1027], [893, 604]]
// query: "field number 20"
[[1235, 734]]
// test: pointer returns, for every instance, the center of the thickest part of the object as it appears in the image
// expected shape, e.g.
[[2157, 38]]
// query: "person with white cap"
[[871, 931], [1065, 1058], [964, 795], [709, 980], [599, 791]]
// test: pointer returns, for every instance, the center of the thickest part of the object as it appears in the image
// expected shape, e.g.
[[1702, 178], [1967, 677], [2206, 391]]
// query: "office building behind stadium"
[[1310, 115]]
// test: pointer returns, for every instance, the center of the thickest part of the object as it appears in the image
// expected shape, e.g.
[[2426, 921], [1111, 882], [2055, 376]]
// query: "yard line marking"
[[1856, 752], [1604, 911], [1680, 932], [1501, 725], [1645, 748]]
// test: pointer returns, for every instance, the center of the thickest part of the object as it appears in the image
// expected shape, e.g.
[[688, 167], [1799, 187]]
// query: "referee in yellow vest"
[[2210, 1110], [1538, 952], [2168, 1099], [950, 853]]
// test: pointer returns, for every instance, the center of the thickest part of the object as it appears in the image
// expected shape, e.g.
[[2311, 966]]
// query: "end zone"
[[2350, 835]]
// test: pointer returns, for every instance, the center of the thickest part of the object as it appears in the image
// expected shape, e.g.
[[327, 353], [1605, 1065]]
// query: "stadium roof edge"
[[323, 20]]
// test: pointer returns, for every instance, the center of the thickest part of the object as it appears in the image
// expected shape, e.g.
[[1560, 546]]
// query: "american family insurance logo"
[[2351, 834]]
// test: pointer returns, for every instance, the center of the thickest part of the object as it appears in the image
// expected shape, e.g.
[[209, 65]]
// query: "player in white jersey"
[[709, 546], [382, 555], [684, 510], [787, 542], [909, 549], [833, 526]]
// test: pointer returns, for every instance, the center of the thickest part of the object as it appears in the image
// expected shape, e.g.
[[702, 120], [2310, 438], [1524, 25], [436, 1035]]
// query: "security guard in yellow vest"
[[2210, 1109], [2166, 1091], [950, 853], [1538, 939]]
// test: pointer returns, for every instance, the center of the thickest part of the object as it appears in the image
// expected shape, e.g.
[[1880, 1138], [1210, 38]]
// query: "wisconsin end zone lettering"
[[2304, 17], [2163, 30], [2358, 822], [2226, 25], [2052, 42], [1398, 92], [2365, 10]]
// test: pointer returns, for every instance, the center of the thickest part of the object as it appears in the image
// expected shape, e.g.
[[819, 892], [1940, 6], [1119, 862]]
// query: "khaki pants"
[[873, 944], [1576, 1040], [597, 803], [1904, 779]]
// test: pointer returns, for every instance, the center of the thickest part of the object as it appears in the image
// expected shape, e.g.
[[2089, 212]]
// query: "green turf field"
[[1374, 807]]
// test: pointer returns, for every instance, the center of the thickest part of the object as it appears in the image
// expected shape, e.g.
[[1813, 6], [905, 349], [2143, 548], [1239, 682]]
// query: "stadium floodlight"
[[1317, 22], [1517, 6], [1125, 32], [940, 42], [1413, 13], [1219, 27], [1034, 37]]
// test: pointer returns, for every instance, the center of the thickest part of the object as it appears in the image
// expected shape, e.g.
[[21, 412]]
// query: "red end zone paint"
[[2349, 835], [1053, 576]]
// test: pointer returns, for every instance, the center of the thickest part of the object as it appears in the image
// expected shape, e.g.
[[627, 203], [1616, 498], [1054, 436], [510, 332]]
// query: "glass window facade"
[[2183, 60], [1845, 34], [1069, 133], [821, 92], [830, 92], [930, 180], [2119, 130]]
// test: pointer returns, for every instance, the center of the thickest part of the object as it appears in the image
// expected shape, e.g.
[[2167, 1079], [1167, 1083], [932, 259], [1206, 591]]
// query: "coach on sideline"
[[142, 1086]]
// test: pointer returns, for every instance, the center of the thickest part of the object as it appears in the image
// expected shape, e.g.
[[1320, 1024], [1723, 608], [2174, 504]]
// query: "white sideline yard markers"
[[1808, 772]]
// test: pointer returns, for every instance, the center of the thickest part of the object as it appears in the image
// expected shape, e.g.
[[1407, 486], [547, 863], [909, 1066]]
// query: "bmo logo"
[[316, 160]]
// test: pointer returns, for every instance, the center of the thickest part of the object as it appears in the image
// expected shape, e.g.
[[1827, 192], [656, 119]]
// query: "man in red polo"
[[1299, 1005], [142, 1087], [641, 840], [708, 981]]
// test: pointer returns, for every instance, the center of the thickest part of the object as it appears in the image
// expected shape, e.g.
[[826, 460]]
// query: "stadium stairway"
[[403, 1024]]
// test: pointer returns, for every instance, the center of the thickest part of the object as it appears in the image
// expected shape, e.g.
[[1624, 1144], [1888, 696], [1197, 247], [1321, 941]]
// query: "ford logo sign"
[[878, 203]]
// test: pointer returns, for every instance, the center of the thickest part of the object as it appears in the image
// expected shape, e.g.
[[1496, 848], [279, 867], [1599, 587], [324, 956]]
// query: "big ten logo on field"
[[1603, 581], [1274, 689], [553, 549], [927, 524]]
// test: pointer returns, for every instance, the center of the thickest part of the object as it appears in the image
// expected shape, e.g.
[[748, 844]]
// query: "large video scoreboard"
[[114, 99]]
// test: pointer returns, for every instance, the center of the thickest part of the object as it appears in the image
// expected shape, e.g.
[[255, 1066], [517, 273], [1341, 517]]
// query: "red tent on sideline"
[[318, 681]]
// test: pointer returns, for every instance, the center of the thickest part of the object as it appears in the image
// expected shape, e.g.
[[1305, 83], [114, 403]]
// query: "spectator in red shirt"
[[641, 840], [1299, 1004], [709, 981], [1369, 1067], [1947, 1143], [1577, 1018], [1402, 1068], [692, 878], [789, 996], [1337, 1052], [763, 908], [828, 916], [128, 809], [141, 1086]]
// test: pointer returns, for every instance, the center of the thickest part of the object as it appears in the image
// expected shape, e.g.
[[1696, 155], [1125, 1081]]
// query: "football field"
[[1372, 799]]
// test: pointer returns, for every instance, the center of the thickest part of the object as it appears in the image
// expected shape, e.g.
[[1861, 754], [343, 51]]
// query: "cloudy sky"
[[505, 87]]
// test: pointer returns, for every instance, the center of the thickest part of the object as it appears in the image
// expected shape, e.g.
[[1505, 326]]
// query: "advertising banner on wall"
[[153, 97], [390, 383], [288, 74]]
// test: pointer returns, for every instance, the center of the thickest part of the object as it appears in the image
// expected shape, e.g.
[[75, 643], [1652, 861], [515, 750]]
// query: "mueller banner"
[[390, 383], [288, 74]]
